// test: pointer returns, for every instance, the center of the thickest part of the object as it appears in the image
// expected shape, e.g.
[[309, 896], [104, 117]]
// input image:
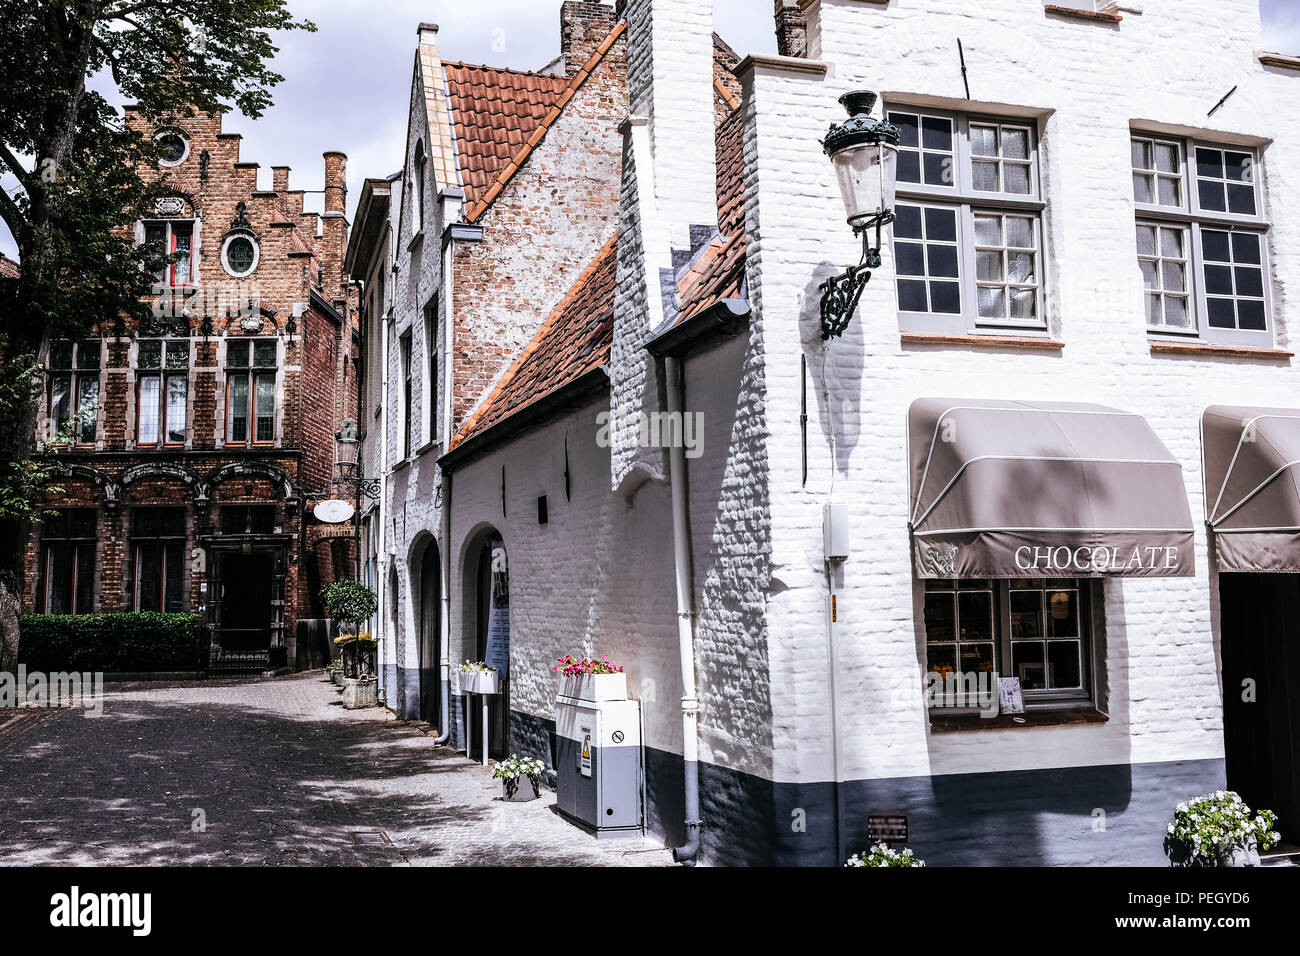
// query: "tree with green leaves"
[[352, 602], [79, 188]]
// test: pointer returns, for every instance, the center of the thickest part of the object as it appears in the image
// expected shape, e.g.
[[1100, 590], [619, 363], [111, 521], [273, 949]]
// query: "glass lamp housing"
[[867, 177], [864, 152]]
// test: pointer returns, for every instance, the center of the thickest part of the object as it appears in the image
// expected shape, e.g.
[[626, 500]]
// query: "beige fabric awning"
[[1004, 489], [1252, 486]]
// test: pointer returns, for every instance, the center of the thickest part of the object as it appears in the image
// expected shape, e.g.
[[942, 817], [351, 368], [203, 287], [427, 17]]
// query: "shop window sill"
[[1075, 13], [1226, 351], [1019, 342], [1046, 717]]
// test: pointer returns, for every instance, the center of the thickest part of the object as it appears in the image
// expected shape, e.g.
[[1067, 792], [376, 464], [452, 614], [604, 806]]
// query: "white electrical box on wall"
[[835, 531]]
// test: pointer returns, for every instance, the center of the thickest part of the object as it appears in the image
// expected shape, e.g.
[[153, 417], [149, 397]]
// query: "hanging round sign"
[[333, 511]]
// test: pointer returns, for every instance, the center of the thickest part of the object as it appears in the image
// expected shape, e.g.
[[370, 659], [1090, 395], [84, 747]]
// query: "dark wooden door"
[[1260, 618], [430, 686], [246, 602]]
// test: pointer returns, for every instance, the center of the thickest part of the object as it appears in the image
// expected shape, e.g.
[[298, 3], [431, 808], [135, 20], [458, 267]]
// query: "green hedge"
[[143, 641]]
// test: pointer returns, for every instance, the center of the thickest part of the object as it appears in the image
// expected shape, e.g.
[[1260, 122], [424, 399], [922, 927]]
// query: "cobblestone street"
[[264, 772]]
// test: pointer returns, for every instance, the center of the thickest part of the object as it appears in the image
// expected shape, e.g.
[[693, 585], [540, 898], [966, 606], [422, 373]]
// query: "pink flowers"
[[572, 667]]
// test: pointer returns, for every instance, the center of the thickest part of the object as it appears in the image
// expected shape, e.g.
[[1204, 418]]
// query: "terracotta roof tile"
[[8, 268], [719, 273], [501, 115], [578, 335], [574, 340], [495, 110], [725, 85]]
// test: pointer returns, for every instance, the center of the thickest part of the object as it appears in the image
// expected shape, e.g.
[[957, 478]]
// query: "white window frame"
[[1189, 284], [167, 279], [225, 248], [164, 374], [1089, 638], [180, 134], [1195, 220], [971, 255], [251, 374], [962, 196], [964, 250]]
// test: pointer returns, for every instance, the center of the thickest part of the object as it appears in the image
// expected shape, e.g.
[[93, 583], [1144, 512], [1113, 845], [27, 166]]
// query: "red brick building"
[[195, 445]]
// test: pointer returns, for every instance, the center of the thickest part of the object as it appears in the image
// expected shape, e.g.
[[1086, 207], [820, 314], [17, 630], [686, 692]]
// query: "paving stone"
[[265, 773]]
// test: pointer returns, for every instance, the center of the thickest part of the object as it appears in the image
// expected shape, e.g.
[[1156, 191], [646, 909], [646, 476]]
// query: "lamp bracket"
[[841, 293]]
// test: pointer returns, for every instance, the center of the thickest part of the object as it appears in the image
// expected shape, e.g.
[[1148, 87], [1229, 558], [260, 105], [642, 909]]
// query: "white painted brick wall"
[[598, 578], [1169, 65], [670, 79], [541, 234], [410, 510]]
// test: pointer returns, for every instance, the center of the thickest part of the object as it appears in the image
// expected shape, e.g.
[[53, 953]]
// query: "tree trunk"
[[9, 608], [13, 536]]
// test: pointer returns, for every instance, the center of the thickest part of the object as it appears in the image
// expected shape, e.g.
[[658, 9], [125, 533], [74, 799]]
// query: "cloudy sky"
[[346, 86]]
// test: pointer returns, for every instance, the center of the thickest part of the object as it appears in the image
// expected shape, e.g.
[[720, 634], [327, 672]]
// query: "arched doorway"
[[488, 631], [429, 621]]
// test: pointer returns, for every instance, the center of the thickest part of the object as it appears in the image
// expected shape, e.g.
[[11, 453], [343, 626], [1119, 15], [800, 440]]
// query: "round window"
[[173, 146], [241, 255]]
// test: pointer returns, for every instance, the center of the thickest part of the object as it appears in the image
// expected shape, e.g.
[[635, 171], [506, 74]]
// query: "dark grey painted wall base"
[[1113, 815], [1071, 816]]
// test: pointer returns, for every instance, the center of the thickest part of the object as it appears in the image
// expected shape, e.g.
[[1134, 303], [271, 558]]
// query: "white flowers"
[[516, 767], [474, 667], [1206, 829], [881, 854]]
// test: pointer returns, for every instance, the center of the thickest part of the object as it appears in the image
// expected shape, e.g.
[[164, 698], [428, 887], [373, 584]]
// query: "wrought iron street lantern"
[[864, 152]]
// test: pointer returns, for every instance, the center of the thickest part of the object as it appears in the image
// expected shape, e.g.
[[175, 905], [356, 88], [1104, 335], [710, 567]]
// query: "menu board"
[[1010, 698]]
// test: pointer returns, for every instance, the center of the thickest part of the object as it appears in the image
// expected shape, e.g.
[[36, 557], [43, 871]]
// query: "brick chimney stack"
[[583, 25], [791, 29], [336, 172], [280, 178], [335, 234]]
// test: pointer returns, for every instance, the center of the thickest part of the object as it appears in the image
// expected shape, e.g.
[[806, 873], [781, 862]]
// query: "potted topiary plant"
[[352, 603], [520, 778], [1219, 829], [881, 854], [591, 680]]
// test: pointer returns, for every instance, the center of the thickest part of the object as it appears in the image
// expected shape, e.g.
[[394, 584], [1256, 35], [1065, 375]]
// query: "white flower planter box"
[[479, 682], [595, 687]]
